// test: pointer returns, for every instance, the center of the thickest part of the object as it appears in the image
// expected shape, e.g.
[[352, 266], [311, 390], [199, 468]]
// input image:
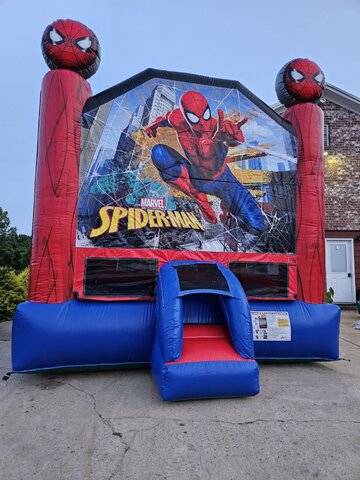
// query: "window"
[[326, 136], [201, 276], [262, 280], [114, 277]]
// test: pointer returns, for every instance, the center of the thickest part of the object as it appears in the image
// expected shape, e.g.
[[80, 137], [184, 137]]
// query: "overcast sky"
[[240, 40]]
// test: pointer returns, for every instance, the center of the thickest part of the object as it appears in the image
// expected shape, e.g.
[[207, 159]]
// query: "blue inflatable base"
[[314, 332], [79, 334]]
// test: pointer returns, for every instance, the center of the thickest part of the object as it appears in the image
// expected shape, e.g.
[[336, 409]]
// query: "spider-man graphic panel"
[[205, 142], [186, 166]]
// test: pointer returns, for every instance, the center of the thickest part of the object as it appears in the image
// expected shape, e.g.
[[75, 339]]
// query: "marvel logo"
[[156, 203]]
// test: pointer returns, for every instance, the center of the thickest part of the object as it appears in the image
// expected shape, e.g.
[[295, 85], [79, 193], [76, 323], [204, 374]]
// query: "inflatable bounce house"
[[178, 221]]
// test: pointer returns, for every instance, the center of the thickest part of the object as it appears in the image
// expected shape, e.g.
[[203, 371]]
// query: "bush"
[[13, 290], [330, 295]]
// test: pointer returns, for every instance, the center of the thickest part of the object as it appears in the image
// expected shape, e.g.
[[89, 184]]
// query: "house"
[[342, 192]]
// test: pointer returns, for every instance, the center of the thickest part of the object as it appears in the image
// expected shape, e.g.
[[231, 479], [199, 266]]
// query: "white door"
[[340, 269]]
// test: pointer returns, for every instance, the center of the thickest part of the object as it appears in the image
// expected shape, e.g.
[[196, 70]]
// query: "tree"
[[14, 248], [4, 222], [22, 252]]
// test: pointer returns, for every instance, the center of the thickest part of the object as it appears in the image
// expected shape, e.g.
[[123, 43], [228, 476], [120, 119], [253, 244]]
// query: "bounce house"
[[178, 222]]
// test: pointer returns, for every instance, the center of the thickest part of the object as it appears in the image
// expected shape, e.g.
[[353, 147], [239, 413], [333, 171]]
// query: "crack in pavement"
[[107, 423], [228, 422], [129, 443], [349, 341], [290, 420], [111, 384]]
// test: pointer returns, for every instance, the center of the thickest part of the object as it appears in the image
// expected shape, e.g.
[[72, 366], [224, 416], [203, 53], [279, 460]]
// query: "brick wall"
[[342, 178], [342, 169]]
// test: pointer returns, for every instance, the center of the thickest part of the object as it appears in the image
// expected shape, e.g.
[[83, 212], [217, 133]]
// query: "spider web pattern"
[[120, 172]]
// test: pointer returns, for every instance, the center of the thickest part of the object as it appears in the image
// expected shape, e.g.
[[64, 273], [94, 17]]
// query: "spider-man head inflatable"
[[71, 45], [196, 111], [299, 81]]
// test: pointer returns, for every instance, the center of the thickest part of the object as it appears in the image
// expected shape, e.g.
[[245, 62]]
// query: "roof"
[[335, 95]]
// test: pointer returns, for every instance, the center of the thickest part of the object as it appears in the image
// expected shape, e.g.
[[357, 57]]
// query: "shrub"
[[330, 295], [13, 290]]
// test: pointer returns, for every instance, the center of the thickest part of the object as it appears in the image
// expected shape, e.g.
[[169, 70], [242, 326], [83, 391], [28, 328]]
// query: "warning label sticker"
[[274, 326]]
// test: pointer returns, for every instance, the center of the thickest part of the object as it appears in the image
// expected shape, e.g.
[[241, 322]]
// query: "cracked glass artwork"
[[175, 165]]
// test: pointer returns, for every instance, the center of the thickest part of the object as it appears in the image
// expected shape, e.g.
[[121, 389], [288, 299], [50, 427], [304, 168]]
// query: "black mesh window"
[[262, 279], [112, 277], [201, 276]]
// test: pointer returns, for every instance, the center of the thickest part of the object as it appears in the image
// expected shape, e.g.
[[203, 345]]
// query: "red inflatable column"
[[63, 96], [299, 86], [308, 120]]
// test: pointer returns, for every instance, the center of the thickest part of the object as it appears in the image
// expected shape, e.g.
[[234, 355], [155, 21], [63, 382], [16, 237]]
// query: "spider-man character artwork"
[[203, 171]]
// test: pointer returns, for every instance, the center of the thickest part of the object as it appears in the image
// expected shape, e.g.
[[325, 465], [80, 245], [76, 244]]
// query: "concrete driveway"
[[305, 424]]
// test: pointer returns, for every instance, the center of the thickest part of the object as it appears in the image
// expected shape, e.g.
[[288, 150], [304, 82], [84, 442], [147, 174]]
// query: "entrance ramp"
[[203, 346]]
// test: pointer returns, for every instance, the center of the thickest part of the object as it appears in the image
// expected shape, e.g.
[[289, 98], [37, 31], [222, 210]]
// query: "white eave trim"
[[342, 98]]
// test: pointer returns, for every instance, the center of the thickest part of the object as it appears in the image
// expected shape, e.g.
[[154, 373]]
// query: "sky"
[[248, 41]]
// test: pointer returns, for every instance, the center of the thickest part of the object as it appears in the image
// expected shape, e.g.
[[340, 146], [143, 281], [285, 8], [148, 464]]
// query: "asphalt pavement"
[[304, 424]]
